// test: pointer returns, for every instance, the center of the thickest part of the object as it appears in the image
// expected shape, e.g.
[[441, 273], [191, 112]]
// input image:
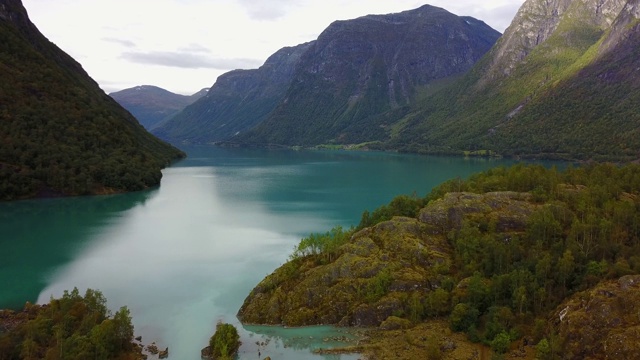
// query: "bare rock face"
[[624, 23], [537, 20], [602, 322]]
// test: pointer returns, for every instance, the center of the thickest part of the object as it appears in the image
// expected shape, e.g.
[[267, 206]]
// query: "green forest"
[[491, 278], [71, 327], [61, 134]]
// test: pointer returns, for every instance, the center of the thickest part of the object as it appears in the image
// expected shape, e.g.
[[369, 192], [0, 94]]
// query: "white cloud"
[[192, 42], [189, 60], [269, 9], [123, 42]]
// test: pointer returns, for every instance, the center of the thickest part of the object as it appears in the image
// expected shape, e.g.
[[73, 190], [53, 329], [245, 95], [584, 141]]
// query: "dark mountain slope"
[[542, 90], [360, 74], [238, 100], [151, 105], [60, 133]]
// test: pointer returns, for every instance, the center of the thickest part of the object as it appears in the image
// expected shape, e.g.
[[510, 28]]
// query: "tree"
[[543, 350], [463, 316], [123, 328], [225, 342], [566, 265], [501, 342]]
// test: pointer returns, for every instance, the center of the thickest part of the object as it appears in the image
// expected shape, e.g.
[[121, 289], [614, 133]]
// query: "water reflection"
[[39, 236], [184, 260]]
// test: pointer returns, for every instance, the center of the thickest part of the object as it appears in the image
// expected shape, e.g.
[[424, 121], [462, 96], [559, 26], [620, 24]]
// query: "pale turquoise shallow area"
[[184, 256]]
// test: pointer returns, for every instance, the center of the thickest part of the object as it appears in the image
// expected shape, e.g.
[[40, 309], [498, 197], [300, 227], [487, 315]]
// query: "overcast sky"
[[184, 45]]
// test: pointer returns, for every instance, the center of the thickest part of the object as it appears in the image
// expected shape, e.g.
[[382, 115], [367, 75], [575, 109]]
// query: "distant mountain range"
[[61, 134], [344, 87], [152, 105], [560, 83]]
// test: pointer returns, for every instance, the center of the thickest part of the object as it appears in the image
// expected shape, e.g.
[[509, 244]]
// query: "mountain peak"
[[152, 105]]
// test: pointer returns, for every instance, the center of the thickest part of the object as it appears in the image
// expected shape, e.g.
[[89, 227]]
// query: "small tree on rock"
[[225, 342]]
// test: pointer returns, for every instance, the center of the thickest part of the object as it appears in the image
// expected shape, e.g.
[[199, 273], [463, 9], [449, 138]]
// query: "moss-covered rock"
[[602, 322], [395, 323], [385, 270], [507, 210]]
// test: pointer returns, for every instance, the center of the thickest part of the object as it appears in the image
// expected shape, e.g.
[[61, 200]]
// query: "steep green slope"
[[151, 105], [60, 133], [360, 75], [495, 254], [546, 89]]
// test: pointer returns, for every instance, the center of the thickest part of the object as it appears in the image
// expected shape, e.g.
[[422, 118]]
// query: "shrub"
[[225, 342]]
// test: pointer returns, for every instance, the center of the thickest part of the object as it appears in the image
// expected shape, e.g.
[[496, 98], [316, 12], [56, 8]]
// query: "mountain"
[[360, 75], [559, 83], [153, 106], [61, 134], [342, 88], [238, 101]]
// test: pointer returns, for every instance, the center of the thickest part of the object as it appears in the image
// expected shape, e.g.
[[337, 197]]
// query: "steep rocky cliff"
[[538, 20]]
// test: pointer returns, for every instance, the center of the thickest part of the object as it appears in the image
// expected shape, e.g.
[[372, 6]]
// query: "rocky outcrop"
[[602, 322], [380, 267], [509, 211]]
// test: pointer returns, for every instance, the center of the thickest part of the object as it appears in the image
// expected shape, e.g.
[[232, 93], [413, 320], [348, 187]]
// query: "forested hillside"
[[61, 134], [496, 255]]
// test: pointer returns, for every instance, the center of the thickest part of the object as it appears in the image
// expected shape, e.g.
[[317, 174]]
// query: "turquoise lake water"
[[184, 256]]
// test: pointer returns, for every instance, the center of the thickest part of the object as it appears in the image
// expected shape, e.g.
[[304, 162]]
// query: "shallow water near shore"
[[184, 256]]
